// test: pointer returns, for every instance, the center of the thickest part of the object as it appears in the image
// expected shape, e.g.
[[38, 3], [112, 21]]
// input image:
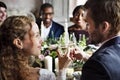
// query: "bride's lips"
[[39, 47]]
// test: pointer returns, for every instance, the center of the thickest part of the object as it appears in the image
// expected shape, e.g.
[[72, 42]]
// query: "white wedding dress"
[[48, 75]]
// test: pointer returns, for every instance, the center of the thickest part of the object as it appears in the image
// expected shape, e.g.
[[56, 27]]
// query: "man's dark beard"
[[97, 40]]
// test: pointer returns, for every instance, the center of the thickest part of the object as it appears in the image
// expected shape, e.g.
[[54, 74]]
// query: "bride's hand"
[[64, 59]]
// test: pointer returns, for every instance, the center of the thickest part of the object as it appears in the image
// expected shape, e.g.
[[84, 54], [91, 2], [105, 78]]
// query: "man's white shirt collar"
[[45, 32]]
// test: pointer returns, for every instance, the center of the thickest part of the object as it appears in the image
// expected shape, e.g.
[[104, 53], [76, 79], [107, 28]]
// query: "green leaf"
[[53, 54]]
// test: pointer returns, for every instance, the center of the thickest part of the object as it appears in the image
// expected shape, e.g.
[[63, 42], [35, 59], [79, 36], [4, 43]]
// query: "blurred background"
[[62, 8]]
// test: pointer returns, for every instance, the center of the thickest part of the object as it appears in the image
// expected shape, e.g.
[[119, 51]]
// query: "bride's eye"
[[37, 35]]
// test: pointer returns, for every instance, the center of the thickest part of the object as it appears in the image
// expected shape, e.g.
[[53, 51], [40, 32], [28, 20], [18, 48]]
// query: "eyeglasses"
[[48, 13]]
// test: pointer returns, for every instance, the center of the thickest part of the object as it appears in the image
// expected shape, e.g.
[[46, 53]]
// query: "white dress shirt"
[[45, 32]]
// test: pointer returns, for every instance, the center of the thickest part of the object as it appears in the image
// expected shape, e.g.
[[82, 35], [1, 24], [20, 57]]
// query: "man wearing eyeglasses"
[[50, 29]]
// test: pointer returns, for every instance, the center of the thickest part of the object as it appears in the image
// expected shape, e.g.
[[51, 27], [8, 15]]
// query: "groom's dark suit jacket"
[[104, 64]]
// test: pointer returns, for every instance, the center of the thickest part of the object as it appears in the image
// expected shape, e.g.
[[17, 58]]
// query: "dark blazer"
[[56, 29], [104, 64]]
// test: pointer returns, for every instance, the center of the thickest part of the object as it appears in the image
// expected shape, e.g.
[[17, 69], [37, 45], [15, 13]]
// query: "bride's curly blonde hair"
[[13, 62]]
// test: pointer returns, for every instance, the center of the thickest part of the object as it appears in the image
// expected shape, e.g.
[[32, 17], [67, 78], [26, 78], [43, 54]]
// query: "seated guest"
[[50, 28], [80, 26], [19, 39], [3, 12]]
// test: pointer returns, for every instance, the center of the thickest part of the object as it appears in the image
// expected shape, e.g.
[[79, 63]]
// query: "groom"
[[103, 18]]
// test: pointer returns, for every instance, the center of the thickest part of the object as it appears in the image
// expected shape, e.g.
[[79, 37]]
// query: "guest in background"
[[80, 26], [51, 29], [103, 17], [19, 39], [3, 12]]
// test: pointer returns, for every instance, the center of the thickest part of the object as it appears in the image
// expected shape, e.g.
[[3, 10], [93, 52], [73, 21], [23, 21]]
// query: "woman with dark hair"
[[3, 12], [19, 39], [80, 25]]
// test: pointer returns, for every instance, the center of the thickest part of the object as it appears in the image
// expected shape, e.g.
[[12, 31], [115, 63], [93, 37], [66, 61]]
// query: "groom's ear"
[[18, 43], [106, 26]]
